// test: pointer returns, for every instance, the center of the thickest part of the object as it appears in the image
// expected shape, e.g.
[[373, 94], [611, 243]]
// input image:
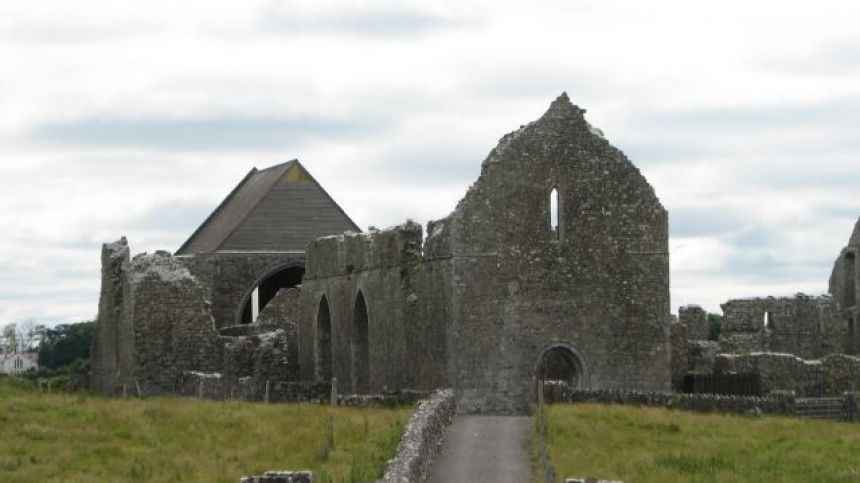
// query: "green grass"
[[652, 444], [67, 437]]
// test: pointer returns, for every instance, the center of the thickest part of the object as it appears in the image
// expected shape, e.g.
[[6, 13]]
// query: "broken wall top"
[[855, 235]]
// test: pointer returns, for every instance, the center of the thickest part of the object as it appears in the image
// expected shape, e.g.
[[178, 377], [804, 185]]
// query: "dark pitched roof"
[[280, 208]]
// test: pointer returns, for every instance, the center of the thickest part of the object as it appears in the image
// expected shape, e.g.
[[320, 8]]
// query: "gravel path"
[[478, 449]]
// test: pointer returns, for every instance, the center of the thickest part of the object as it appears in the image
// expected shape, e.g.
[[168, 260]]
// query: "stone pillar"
[[696, 320]]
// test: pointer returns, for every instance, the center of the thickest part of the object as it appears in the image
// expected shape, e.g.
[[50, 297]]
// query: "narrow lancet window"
[[554, 215], [768, 321], [255, 304]]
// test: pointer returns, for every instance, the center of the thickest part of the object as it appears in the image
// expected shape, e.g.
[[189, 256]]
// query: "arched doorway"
[[360, 347], [324, 341], [266, 288], [560, 365]]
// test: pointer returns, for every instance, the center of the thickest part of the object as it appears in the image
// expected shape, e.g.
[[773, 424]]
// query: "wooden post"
[[200, 389], [334, 391], [40, 385], [124, 390], [540, 393], [267, 391], [137, 386], [49, 386]]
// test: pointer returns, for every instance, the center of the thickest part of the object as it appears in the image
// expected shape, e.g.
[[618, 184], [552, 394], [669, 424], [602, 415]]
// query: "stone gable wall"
[[603, 289]]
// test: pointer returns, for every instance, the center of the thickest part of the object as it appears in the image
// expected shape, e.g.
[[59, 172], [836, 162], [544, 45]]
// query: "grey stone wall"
[[806, 326], [477, 306], [841, 373], [113, 341], [494, 287], [281, 477], [774, 404], [229, 277], [680, 355], [779, 372], [156, 332], [696, 320], [421, 439], [598, 286], [217, 386], [406, 308], [845, 287]]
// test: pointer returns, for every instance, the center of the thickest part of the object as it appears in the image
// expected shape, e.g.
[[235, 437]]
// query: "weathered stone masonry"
[[495, 287], [801, 343], [598, 286], [555, 260]]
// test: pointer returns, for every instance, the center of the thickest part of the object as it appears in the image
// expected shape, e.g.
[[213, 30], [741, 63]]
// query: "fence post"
[[200, 389], [334, 391], [267, 391], [851, 402], [137, 386], [124, 390]]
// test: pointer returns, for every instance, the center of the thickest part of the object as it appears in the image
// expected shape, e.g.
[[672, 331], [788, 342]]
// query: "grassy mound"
[[67, 437], [652, 444]]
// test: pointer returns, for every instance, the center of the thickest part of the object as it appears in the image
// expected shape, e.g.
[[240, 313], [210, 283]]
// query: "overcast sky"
[[137, 118]]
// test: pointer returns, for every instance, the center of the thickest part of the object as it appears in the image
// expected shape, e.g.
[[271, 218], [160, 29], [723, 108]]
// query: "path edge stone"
[[422, 438]]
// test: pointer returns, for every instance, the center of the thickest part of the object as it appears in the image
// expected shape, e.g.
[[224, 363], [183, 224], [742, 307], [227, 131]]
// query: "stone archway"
[[560, 364], [360, 347], [324, 341], [265, 289]]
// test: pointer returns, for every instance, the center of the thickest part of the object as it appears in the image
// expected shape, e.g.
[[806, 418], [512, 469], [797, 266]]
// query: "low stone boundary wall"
[[215, 386], [281, 477], [421, 439], [397, 398], [590, 480], [778, 404]]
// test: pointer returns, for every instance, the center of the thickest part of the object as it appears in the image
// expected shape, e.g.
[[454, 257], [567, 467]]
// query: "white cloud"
[[742, 115]]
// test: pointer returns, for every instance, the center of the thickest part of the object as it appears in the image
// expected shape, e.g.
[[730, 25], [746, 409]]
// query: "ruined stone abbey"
[[554, 265]]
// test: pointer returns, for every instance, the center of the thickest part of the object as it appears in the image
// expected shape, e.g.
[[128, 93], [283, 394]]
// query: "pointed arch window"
[[555, 221], [360, 347], [324, 342], [768, 321]]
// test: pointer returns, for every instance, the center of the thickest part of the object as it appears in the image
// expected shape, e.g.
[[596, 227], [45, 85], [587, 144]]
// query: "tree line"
[[64, 348]]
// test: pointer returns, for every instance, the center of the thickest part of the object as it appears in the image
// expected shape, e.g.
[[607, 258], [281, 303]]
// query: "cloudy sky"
[[137, 118]]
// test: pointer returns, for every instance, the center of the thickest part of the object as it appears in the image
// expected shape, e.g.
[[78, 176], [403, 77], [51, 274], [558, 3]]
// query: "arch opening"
[[767, 323], [266, 289], [324, 355], [360, 347], [559, 369], [850, 281]]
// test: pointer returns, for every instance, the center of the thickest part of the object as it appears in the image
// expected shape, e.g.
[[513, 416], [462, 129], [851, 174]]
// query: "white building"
[[18, 363]]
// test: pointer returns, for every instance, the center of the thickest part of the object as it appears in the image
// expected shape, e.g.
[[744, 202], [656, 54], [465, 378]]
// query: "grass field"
[[659, 445], [64, 437]]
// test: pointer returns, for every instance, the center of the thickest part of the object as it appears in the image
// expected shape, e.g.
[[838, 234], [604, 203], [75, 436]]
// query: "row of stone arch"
[[359, 344]]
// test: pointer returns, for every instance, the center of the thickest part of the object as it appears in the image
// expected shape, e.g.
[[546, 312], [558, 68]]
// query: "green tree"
[[65, 344], [9, 337], [715, 326]]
